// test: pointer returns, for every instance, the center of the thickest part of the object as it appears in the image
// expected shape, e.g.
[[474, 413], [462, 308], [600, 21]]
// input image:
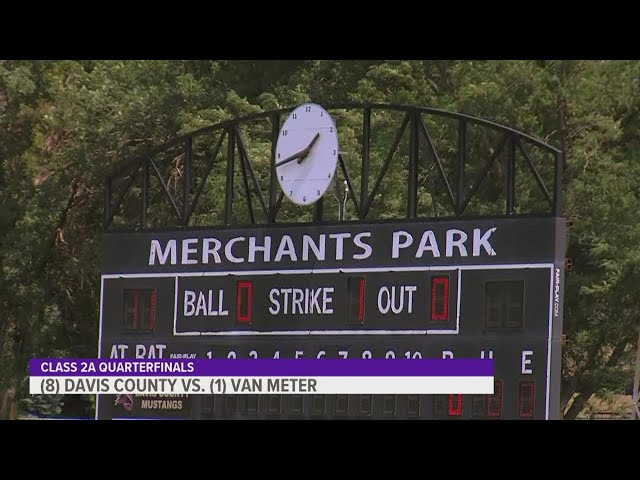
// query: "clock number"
[[334, 152], [281, 177], [307, 109], [304, 199], [291, 193], [318, 192], [331, 129], [294, 116], [329, 176], [284, 133], [321, 113], [278, 156]]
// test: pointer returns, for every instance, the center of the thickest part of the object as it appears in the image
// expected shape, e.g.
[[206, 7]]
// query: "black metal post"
[[317, 214], [364, 177], [557, 184], [273, 180], [511, 177], [436, 158], [462, 154], [535, 173], [480, 178], [347, 178], [165, 188], [245, 181], [228, 203], [205, 175], [188, 162], [145, 193], [244, 156], [412, 198]]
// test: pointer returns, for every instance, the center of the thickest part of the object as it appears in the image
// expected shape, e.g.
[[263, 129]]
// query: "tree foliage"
[[66, 123]]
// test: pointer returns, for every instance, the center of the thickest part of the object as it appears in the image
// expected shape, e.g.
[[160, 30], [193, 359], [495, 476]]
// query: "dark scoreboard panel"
[[419, 290], [297, 303]]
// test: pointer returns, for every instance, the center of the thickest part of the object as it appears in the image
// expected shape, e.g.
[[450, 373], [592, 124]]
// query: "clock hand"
[[308, 149], [291, 158], [301, 155]]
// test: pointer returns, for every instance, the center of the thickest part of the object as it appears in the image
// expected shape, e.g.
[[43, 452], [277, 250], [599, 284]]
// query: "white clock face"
[[307, 154]]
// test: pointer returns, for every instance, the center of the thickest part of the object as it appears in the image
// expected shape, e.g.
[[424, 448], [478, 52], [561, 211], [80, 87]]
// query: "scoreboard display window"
[[465, 288]]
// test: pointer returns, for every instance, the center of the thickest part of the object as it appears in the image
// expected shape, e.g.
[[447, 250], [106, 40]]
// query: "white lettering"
[[207, 250], [286, 292], [339, 238], [162, 256], [393, 298], [396, 307], [189, 303], [410, 289], [186, 251], [447, 354], [210, 310], [304, 301], [367, 250], [326, 299], [229, 254], [118, 351], [141, 351], [456, 242], [265, 249], [384, 305], [321, 354], [221, 310], [318, 251], [397, 245], [428, 242], [315, 300], [202, 304], [275, 308], [482, 241], [483, 354], [526, 361], [298, 296], [556, 294], [286, 248]]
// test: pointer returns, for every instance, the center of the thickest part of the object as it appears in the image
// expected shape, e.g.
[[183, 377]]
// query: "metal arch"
[[513, 140]]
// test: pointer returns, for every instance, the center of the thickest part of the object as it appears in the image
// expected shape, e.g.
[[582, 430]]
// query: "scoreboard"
[[463, 288]]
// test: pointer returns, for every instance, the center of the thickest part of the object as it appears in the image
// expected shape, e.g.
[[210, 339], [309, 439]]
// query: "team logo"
[[126, 400]]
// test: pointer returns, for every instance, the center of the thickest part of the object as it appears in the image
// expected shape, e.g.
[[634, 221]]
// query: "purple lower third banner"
[[61, 367]]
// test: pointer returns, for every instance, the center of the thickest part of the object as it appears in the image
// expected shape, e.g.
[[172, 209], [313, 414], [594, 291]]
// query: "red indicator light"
[[494, 407], [455, 405], [136, 301], [244, 294], [152, 310], [356, 286], [527, 397], [361, 308], [440, 298]]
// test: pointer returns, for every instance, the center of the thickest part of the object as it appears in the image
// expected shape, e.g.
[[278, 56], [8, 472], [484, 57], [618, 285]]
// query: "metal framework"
[[459, 187]]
